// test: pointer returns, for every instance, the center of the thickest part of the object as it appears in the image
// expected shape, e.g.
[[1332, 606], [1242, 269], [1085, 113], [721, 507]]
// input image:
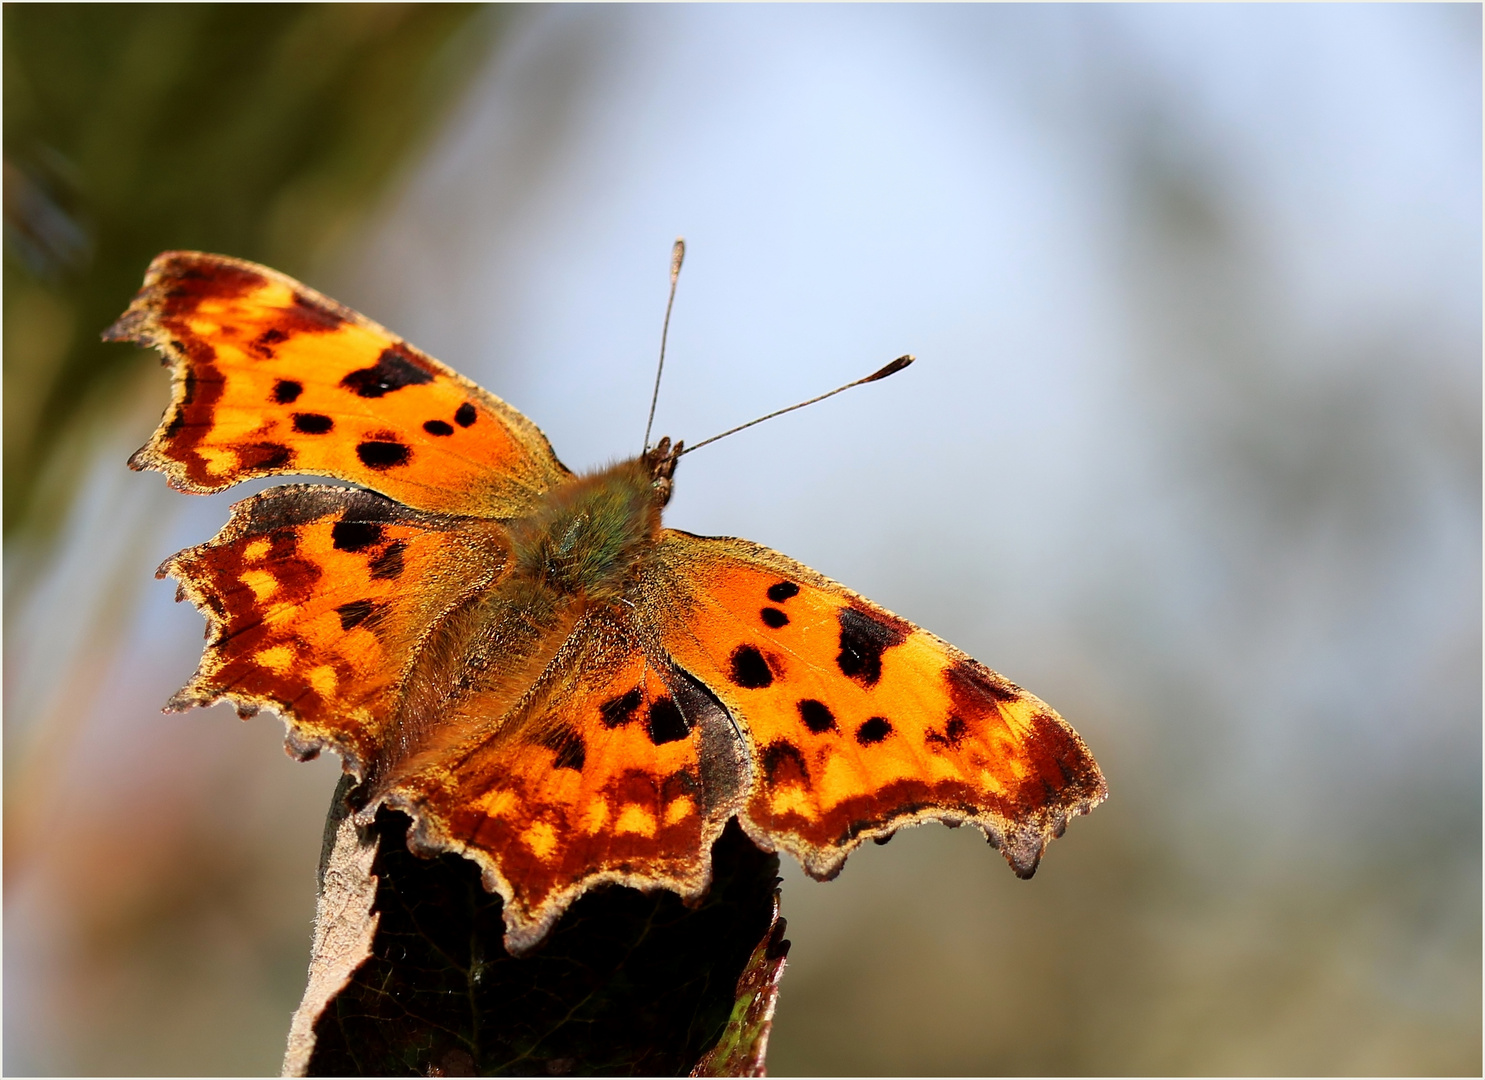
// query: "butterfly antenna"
[[891, 369], [677, 256]]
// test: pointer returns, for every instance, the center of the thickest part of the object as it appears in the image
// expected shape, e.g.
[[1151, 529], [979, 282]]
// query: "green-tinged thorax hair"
[[586, 537]]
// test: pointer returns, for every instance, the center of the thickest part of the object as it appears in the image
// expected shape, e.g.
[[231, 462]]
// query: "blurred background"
[[1192, 451]]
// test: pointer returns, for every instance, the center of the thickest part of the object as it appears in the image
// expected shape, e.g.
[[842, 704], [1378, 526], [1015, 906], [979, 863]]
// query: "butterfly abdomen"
[[587, 536]]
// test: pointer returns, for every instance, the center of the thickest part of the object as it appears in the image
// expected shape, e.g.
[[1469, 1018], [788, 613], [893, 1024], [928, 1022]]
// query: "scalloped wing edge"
[[1022, 845], [425, 838], [525, 930], [140, 325], [301, 741], [197, 693]]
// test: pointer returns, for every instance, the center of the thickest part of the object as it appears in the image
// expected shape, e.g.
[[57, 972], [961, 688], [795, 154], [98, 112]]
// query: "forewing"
[[271, 378], [859, 721], [309, 610]]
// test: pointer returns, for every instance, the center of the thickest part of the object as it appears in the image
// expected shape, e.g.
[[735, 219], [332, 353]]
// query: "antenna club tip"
[[677, 256], [891, 369]]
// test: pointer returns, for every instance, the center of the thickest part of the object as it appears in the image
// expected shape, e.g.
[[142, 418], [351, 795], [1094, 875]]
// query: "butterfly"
[[525, 660]]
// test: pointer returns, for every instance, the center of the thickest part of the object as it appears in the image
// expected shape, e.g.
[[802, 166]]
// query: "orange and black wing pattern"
[[272, 378], [858, 721], [611, 768], [318, 599]]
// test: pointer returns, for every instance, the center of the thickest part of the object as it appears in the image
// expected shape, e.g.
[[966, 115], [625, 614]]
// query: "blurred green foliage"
[[264, 131]]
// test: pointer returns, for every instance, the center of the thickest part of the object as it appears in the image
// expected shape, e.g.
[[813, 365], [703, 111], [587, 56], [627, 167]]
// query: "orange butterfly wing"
[[611, 768], [317, 599], [270, 378], [559, 739], [859, 722]]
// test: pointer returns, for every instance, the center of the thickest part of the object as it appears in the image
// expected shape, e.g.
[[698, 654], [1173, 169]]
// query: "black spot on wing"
[[666, 722], [286, 391], [749, 669], [817, 716], [392, 371], [975, 687], [863, 640], [873, 731], [264, 455], [375, 454], [358, 612], [282, 544], [465, 415], [388, 564], [620, 710], [572, 752], [952, 735], [784, 764], [262, 345], [309, 423], [354, 535], [437, 427], [782, 591], [573, 755], [774, 618]]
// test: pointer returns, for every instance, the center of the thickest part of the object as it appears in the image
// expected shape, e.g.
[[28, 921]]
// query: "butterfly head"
[[661, 460]]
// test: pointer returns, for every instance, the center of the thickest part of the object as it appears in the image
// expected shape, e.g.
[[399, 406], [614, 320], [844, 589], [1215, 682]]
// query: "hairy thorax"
[[586, 538], [580, 548]]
